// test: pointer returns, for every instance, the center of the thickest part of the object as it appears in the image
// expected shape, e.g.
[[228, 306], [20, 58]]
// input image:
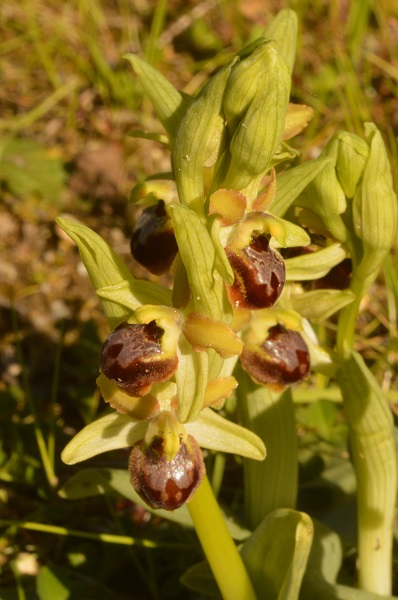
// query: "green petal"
[[273, 482], [216, 433], [108, 433]]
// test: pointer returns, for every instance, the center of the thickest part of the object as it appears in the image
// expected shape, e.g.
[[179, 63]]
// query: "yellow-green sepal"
[[169, 104], [314, 265], [374, 206], [291, 183], [111, 432], [104, 266], [212, 431], [318, 305], [283, 29]]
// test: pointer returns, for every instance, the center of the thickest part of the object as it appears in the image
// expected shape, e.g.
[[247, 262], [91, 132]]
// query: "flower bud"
[[352, 155], [200, 138], [133, 358], [163, 483], [325, 196], [258, 127], [152, 243], [374, 206], [247, 76], [281, 359], [259, 274]]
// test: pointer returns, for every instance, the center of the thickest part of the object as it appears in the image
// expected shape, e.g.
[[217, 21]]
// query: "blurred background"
[[68, 105]]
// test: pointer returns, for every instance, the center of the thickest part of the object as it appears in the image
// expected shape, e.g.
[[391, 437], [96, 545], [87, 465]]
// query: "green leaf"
[[276, 554], [323, 564], [111, 432], [170, 105], [50, 585], [290, 184], [343, 592], [322, 417], [92, 482], [319, 305], [314, 265], [198, 255], [104, 266], [58, 583], [29, 168], [216, 433], [270, 484], [200, 579]]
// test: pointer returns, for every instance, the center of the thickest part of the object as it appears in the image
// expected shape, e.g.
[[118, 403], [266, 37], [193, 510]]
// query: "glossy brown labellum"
[[153, 243], [260, 275], [132, 358], [282, 358], [162, 483]]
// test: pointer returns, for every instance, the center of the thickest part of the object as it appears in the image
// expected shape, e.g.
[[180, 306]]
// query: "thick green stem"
[[220, 550], [372, 451], [373, 455], [348, 317]]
